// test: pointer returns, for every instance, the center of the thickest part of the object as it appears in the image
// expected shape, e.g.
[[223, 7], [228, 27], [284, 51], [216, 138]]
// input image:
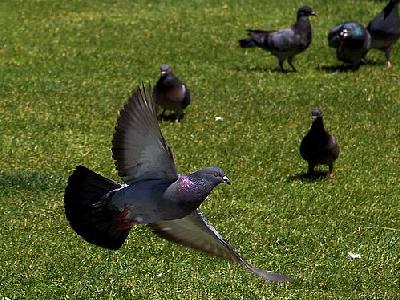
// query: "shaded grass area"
[[66, 67]]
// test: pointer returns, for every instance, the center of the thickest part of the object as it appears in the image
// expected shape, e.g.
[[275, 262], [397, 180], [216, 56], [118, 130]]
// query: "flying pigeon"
[[103, 212], [351, 41], [318, 147], [171, 94], [286, 43], [385, 29]]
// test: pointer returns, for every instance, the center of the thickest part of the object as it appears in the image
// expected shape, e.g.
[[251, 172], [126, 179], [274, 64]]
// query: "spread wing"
[[196, 232], [138, 147]]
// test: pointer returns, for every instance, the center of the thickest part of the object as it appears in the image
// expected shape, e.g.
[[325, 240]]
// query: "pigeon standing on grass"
[[286, 43], [318, 147], [351, 41], [171, 94], [103, 212], [385, 29]]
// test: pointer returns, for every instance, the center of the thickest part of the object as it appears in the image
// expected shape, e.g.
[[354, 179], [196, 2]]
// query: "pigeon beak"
[[313, 13], [163, 72], [313, 118], [226, 180]]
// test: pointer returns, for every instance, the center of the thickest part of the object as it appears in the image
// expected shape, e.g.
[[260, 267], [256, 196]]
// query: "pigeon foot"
[[330, 177]]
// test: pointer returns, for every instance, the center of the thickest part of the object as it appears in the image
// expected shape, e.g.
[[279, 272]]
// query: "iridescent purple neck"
[[185, 183]]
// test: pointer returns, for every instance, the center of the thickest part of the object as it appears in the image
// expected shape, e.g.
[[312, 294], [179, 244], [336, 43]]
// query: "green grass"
[[66, 68]]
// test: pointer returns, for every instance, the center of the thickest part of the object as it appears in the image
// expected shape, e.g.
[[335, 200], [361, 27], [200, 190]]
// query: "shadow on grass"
[[374, 63], [338, 68], [344, 68], [30, 180], [259, 69], [170, 118], [306, 177]]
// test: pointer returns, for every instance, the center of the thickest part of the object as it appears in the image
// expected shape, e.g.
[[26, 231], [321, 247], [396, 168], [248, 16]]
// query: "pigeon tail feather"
[[247, 43], [261, 38], [389, 8], [188, 98], [88, 209]]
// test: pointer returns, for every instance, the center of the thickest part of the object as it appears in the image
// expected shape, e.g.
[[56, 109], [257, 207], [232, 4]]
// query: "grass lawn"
[[67, 67]]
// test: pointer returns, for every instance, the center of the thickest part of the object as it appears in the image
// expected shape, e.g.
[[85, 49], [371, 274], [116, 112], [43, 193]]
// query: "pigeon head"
[[165, 69], [316, 113], [345, 34], [211, 175], [190, 190], [305, 11]]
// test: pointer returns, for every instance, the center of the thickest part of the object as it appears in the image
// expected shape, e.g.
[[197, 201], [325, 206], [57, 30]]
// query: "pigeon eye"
[[216, 174]]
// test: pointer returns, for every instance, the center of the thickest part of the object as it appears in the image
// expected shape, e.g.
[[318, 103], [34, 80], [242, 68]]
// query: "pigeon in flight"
[[171, 94], [351, 40], [385, 29], [286, 43], [103, 212], [318, 147]]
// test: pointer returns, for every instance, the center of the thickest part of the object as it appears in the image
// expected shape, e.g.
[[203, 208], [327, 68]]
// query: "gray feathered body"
[[151, 201], [171, 94], [318, 147], [385, 27], [140, 202], [291, 41], [286, 43], [351, 40]]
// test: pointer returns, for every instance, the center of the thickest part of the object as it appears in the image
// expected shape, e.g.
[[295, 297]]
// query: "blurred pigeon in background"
[[103, 212], [286, 43], [351, 41], [385, 29], [318, 147], [171, 94]]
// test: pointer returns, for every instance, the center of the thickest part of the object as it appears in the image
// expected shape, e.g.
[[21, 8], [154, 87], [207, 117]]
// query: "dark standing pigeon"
[[286, 43], [351, 41], [103, 212], [318, 147], [385, 29], [171, 94]]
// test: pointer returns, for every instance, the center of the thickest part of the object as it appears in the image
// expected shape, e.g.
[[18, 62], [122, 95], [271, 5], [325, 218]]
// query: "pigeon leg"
[[161, 115], [330, 165], [330, 173], [290, 64], [160, 112], [330, 177], [387, 55], [363, 58], [178, 115], [281, 66], [310, 168]]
